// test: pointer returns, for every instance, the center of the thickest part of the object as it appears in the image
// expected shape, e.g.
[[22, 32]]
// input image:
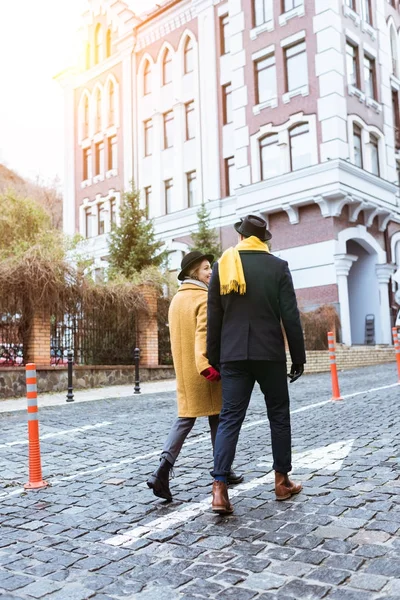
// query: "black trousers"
[[238, 379]]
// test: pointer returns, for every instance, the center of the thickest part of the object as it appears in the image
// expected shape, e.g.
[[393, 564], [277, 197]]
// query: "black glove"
[[296, 371]]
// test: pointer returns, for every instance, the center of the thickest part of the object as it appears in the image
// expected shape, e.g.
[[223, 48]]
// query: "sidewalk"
[[112, 391]]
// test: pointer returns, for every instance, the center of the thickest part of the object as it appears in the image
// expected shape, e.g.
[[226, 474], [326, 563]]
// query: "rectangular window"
[[351, 4], [191, 187], [353, 72], [357, 146], [87, 164], [369, 77], [296, 66], [269, 156], [224, 34], [99, 158], [113, 212], [100, 219], [112, 153], [367, 11], [168, 129], [190, 121], [262, 12], [230, 175], [147, 199], [265, 70], [89, 222], [374, 146], [396, 119], [291, 4], [148, 137], [168, 187], [227, 103]]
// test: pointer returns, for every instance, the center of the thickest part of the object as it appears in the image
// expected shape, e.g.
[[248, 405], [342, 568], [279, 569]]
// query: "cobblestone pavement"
[[98, 532]]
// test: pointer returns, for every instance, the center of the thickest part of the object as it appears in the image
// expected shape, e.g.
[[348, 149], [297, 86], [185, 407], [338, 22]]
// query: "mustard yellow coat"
[[187, 318]]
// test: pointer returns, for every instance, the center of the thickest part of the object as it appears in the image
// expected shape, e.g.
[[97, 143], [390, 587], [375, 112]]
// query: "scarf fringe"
[[233, 286]]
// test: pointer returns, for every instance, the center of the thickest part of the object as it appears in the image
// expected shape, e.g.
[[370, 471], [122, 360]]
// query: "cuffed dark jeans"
[[238, 379], [179, 432]]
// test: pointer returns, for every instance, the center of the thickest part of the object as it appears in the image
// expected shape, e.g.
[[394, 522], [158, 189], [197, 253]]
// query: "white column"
[[208, 98], [70, 160], [127, 114], [330, 70], [343, 264], [383, 273]]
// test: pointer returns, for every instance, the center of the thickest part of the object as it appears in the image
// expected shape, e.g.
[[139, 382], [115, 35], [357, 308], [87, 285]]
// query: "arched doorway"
[[363, 292]]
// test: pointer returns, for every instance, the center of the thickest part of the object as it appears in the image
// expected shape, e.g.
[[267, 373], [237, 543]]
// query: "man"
[[250, 295]]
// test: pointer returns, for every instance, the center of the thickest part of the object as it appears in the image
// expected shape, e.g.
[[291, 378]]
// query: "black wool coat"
[[248, 327]]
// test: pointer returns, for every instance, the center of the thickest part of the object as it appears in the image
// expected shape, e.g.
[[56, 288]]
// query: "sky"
[[37, 40]]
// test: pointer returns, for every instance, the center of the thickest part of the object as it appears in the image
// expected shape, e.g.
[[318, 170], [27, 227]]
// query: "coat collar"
[[188, 285]]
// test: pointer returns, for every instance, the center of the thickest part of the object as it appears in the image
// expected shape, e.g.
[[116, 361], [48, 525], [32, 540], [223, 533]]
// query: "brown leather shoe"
[[220, 500], [284, 488]]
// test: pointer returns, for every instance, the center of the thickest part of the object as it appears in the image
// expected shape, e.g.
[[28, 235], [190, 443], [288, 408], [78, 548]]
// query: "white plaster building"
[[285, 108]]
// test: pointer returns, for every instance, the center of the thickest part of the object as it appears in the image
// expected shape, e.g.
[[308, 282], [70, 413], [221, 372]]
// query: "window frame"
[[374, 143], [89, 233], [87, 171], [288, 58], [112, 150], [357, 134], [101, 218], [292, 135], [372, 75], [224, 35], [168, 187], [108, 43], [190, 113], [227, 110], [260, 149], [167, 64], [228, 165], [257, 72], [113, 212], [367, 11], [355, 62], [263, 4], [294, 4], [99, 158], [191, 176], [147, 198], [98, 44], [147, 78], [188, 50], [168, 119], [147, 137]]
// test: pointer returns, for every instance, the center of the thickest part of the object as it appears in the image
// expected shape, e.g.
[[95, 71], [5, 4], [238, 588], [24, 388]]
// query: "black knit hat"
[[189, 259], [252, 225]]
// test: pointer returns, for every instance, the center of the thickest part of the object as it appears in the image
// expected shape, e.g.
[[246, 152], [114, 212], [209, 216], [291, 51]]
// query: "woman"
[[198, 383]]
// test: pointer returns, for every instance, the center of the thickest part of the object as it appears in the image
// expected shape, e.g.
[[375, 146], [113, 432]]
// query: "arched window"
[[393, 48], [87, 56], [111, 104], [300, 150], [188, 56], [269, 156], [167, 68], [85, 131], [147, 78], [98, 111], [108, 43], [98, 45]]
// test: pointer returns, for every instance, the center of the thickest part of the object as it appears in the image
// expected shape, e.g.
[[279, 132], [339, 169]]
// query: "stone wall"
[[12, 380]]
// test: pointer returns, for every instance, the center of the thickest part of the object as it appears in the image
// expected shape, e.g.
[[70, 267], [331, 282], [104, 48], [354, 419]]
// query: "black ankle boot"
[[159, 480]]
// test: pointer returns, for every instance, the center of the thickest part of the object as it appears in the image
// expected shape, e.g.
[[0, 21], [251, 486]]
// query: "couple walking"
[[226, 334]]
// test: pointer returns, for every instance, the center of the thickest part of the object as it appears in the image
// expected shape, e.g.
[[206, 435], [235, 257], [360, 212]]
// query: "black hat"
[[189, 259], [252, 225]]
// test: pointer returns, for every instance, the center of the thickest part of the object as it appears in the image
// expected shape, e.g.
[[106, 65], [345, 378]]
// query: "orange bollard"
[[332, 358], [397, 349], [35, 468]]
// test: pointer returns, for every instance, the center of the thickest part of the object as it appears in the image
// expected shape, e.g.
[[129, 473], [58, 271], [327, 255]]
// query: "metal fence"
[[105, 336], [11, 338]]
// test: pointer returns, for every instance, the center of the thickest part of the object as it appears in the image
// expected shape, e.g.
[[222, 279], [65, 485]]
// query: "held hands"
[[296, 371], [211, 374]]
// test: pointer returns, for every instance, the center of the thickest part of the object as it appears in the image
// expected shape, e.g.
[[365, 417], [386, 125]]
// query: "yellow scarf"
[[231, 274]]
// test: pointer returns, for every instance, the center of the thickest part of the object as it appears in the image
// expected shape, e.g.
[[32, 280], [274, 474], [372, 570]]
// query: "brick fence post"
[[148, 329], [37, 345]]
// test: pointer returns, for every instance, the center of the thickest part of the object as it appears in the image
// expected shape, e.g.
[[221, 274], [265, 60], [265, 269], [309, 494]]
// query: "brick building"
[[285, 108]]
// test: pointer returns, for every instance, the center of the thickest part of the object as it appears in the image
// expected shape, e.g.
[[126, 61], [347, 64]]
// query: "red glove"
[[211, 374]]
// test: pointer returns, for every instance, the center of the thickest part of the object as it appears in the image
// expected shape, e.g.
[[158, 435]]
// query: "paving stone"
[[351, 563], [254, 564], [41, 588], [216, 542], [338, 546], [328, 575], [236, 594], [371, 550], [264, 581], [373, 583], [313, 557], [384, 566], [333, 531], [343, 594], [203, 588], [290, 568], [230, 576], [16, 582], [93, 563], [370, 537], [298, 588], [307, 542], [280, 553]]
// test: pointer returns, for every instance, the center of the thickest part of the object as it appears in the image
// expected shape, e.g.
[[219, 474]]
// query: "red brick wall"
[[312, 228]]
